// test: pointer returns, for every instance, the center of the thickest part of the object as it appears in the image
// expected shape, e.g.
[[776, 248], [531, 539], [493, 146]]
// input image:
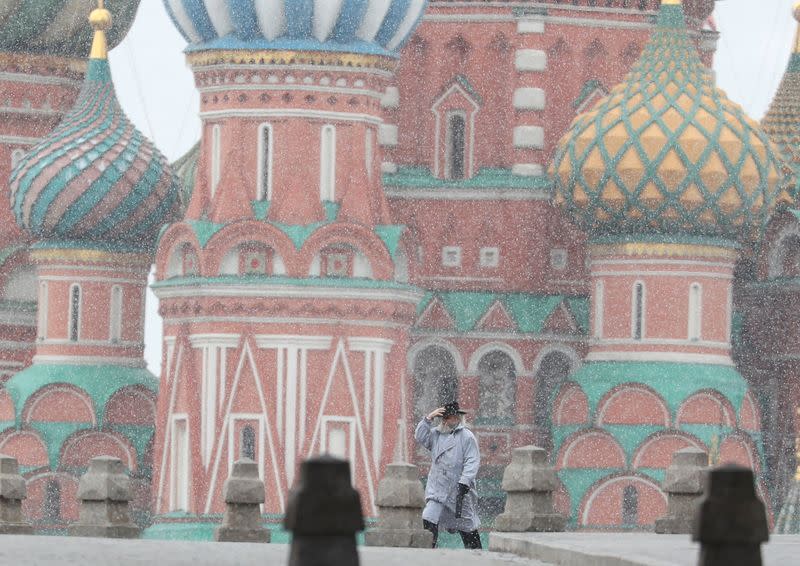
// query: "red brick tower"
[[284, 290]]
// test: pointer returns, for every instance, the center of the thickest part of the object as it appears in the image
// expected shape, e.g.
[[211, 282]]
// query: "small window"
[[695, 311], [456, 145], [43, 300], [327, 160], [74, 313], [369, 152], [490, 257], [451, 256], [188, 261], [265, 153], [216, 157], [247, 444], [115, 331], [630, 506], [638, 311], [558, 259], [51, 506]]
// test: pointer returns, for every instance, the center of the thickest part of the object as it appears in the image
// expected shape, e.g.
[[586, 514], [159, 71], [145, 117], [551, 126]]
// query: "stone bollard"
[[104, 493], [731, 521], [683, 484], [324, 514], [244, 494], [12, 492], [400, 503], [529, 483]]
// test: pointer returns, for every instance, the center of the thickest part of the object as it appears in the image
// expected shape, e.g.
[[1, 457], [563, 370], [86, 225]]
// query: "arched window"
[[456, 145], [369, 151], [216, 157], [695, 311], [265, 152], [599, 306], [553, 371], [435, 380], [74, 313], [630, 506], [51, 506], [115, 330], [327, 162], [43, 298], [497, 388], [637, 312], [247, 443]]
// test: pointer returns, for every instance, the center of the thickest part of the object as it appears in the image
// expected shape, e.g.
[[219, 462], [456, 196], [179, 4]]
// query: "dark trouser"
[[471, 540]]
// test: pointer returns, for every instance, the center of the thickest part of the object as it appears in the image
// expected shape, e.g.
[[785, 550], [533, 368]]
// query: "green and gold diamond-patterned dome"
[[782, 121], [666, 152]]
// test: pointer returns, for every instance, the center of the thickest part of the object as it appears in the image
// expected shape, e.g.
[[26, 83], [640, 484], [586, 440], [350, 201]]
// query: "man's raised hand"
[[435, 413]]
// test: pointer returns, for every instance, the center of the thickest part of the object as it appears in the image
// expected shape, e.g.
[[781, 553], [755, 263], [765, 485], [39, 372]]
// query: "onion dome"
[[50, 27], [375, 27], [667, 152], [95, 178], [782, 121]]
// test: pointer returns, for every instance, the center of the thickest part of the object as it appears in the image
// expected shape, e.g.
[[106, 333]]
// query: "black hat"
[[452, 409]]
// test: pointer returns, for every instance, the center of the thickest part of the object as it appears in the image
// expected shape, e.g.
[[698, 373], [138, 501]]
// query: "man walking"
[[450, 497]]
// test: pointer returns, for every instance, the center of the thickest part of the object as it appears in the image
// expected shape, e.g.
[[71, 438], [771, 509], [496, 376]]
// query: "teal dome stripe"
[[99, 189]]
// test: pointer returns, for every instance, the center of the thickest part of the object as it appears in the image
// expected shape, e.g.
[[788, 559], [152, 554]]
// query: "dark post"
[[731, 521], [324, 514]]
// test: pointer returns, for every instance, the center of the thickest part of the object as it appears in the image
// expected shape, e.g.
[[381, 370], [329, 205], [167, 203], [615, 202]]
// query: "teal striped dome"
[[96, 178], [58, 27]]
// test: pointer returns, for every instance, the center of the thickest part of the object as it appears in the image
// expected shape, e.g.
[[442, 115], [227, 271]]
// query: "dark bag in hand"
[[463, 490]]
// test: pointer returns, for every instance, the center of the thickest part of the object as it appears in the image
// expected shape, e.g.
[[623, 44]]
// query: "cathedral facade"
[[546, 210]]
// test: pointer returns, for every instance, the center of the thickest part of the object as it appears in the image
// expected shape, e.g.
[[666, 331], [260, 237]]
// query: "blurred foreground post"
[[731, 521], [12, 492], [529, 483], [244, 494], [400, 503], [104, 493], [683, 484], [324, 514]]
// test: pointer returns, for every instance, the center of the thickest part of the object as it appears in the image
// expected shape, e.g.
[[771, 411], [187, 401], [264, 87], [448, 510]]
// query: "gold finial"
[[671, 2], [101, 20]]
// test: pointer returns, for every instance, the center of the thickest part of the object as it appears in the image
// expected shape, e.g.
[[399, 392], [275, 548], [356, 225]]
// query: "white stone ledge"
[[530, 60], [529, 99], [529, 137], [530, 26], [387, 135], [527, 170], [391, 98], [389, 167]]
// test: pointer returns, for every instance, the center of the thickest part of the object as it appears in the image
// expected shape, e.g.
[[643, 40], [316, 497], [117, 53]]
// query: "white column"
[[375, 351], [292, 390]]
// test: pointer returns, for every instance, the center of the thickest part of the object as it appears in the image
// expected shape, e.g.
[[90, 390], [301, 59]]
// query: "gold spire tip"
[[796, 11], [101, 21]]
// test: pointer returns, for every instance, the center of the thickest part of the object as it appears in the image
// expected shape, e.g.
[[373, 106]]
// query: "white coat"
[[455, 459]]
